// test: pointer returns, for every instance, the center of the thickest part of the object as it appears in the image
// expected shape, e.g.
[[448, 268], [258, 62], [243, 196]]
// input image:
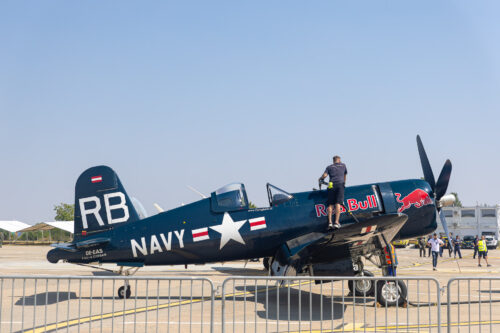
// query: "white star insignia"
[[229, 230]]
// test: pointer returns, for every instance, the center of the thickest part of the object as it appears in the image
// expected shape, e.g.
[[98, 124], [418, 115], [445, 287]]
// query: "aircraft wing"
[[357, 237]]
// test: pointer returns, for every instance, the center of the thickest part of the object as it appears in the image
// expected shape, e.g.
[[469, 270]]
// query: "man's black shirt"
[[336, 171]]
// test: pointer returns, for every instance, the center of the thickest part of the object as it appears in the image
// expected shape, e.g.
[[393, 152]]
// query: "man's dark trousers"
[[457, 249], [422, 252], [435, 258]]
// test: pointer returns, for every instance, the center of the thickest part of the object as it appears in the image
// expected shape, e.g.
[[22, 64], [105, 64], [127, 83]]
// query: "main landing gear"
[[389, 292], [362, 287]]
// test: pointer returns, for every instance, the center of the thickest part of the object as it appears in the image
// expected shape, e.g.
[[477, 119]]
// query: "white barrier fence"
[[92, 304], [248, 304], [329, 305], [473, 304]]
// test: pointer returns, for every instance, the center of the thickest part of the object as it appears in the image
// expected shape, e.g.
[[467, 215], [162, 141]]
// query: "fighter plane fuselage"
[[210, 230]]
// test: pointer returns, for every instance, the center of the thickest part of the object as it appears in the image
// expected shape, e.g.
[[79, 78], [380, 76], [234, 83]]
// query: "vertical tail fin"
[[100, 202]]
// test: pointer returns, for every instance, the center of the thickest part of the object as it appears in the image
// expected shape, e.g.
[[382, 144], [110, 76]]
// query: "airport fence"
[[473, 304], [247, 304], [92, 304], [300, 304]]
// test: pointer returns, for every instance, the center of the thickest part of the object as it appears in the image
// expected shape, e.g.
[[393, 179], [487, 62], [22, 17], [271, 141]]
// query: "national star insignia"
[[229, 230]]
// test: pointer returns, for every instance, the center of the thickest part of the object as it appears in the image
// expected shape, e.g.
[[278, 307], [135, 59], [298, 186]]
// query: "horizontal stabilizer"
[[70, 247], [92, 242]]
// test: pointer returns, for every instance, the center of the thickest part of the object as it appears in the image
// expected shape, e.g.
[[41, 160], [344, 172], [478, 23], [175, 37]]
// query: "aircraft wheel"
[[390, 293], [122, 293], [366, 287], [266, 261]]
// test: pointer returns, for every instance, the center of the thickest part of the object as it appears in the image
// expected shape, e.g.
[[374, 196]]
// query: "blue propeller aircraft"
[[291, 234]]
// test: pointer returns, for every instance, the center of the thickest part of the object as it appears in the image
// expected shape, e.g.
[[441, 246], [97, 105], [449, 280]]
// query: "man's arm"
[[323, 176]]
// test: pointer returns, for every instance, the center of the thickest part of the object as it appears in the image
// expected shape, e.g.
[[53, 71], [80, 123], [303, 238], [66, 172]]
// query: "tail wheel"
[[362, 287], [124, 293], [390, 293]]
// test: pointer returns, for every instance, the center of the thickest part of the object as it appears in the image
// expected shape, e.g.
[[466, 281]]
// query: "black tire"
[[387, 294], [266, 261], [366, 287], [125, 294]]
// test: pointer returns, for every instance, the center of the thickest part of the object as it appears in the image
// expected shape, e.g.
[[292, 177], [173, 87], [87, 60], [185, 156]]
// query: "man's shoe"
[[330, 226], [479, 265], [336, 225], [434, 269], [488, 265]]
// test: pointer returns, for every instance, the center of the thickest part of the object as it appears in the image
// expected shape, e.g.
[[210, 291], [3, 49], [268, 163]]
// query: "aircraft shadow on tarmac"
[[308, 301], [240, 271], [46, 298]]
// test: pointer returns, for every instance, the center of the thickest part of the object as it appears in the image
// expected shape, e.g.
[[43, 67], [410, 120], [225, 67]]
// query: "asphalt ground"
[[82, 305]]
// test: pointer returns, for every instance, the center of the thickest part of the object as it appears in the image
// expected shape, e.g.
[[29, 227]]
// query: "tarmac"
[[170, 305]]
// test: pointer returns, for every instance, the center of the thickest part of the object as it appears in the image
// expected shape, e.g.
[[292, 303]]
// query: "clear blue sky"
[[205, 93]]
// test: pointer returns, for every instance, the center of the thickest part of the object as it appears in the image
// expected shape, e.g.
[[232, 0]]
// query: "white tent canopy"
[[63, 225], [13, 226]]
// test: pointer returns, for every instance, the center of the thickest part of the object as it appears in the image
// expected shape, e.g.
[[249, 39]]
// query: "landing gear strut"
[[124, 291]]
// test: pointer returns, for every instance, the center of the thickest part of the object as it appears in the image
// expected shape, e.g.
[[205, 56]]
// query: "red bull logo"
[[417, 198]]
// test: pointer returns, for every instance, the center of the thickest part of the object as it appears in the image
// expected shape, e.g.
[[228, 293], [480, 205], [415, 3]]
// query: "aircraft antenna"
[[196, 191]]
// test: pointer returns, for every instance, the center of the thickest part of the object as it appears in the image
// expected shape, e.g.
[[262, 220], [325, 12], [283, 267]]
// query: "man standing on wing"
[[436, 245], [338, 175]]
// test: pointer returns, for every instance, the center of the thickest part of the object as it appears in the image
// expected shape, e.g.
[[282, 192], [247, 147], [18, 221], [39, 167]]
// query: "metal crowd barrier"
[[90, 304], [263, 304], [473, 304], [295, 304]]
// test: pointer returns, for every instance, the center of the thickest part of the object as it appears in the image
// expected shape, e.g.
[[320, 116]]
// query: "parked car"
[[401, 243], [491, 242], [468, 242], [445, 241]]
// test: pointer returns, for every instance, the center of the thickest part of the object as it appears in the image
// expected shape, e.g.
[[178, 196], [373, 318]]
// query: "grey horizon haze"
[[170, 94]]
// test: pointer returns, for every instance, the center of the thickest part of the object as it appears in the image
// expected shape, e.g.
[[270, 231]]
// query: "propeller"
[[426, 166], [441, 186], [443, 180]]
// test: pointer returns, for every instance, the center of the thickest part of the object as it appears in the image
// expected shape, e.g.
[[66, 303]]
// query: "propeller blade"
[[426, 167], [443, 180], [443, 223]]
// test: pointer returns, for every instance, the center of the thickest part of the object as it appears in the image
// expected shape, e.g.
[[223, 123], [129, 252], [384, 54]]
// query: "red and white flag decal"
[[257, 223], [200, 234], [368, 229], [96, 179]]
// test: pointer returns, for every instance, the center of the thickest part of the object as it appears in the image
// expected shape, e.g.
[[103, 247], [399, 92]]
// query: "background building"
[[471, 221]]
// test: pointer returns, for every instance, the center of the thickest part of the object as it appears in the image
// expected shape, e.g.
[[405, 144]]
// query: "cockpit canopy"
[[229, 198]]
